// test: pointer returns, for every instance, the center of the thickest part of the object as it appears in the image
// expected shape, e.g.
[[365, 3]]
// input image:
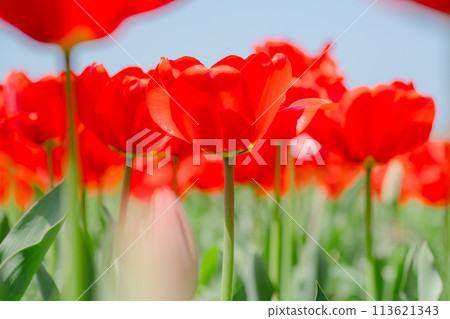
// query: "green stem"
[[78, 259], [71, 124], [228, 236], [286, 240], [372, 278], [83, 209], [124, 196], [276, 228], [175, 170]]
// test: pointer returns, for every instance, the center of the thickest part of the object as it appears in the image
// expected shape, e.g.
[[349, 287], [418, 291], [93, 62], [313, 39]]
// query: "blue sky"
[[388, 43]]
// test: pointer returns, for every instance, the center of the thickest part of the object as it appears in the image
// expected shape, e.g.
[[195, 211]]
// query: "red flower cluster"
[[272, 94]]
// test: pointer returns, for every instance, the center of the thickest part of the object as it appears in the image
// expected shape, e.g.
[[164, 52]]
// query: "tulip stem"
[[77, 261], [228, 236], [276, 228], [83, 209], [372, 277], [124, 197], [286, 239]]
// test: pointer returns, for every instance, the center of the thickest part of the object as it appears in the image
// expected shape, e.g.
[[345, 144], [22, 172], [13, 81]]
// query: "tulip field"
[[263, 177]]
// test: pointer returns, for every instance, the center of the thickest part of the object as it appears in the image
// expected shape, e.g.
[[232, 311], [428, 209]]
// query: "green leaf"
[[429, 282], [320, 295], [47, 286], [107, 217], [24, 248], [209, 266], [257, 283], [400, 268], [239, 292], [4, 225], [408, 277]]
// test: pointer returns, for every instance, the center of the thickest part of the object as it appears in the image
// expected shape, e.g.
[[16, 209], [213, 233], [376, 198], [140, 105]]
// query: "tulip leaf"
[[24, 248], [209, 266], [47, 286], [320, 294], [4, 225], [429, 283], [258, 284], [239, 292]]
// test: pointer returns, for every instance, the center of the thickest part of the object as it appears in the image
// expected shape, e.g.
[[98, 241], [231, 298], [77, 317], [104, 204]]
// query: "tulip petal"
[[291, 121]]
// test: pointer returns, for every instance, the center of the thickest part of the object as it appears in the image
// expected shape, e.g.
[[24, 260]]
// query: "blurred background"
[[393, 40]]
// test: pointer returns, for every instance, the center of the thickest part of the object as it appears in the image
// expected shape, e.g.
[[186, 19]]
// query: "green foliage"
[[24, 247], [320, 294], [407, 268], [429, 282], [47, 286], [258, 285]]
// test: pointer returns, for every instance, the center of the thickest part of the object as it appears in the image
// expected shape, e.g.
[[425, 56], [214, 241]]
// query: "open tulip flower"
[[32, 144], [235, 100], [192, 102], [68, 22], [113, 108], [377, 123], [38, 109]]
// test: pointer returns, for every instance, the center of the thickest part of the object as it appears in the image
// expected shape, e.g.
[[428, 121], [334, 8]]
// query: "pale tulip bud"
[[162, 264]]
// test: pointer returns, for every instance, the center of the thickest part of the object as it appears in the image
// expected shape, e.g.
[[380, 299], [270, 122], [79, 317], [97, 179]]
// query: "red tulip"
[[427, 174], [312, 76], [221, 102], [24, 153], [233, 100], [377, 123], [98, 162], [37, 109], [440, 5], [113, 108], [67, 22]]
